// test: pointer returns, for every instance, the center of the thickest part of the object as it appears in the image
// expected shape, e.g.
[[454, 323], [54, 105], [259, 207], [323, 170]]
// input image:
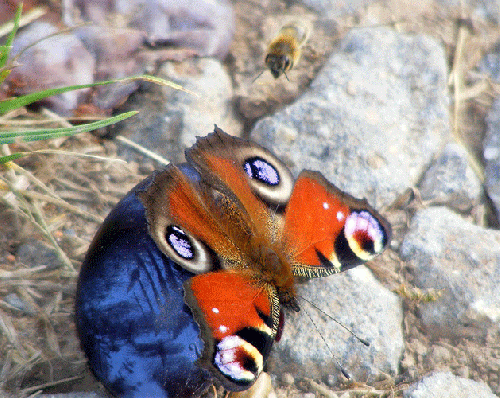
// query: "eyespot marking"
[[238, 360], [180, 242], [259, 169], [365, 235]]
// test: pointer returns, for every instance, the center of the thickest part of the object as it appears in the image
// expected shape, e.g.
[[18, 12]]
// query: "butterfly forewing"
[[182, 224], [231, 163]]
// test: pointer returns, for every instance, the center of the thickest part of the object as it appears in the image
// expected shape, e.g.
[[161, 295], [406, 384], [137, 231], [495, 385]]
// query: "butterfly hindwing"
[[238, 318], [329, 231]]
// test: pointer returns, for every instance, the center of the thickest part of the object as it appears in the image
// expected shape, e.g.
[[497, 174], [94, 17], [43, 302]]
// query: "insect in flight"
[[285, 49]]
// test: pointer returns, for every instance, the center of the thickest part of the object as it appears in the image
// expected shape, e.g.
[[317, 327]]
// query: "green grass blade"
[[10, 39], [17, 102], [9, 137], [14, 156], [4, 74]]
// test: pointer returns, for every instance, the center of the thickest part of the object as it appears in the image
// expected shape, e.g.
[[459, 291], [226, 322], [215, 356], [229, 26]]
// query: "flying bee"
[[284, 50]]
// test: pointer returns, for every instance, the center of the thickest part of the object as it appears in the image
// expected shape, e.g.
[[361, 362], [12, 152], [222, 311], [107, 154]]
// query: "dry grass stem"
[[39, 218], [9, 332], [26, 19], [34, 214], [40, 387], [33, 195], [56, 118], [458, 79], [142, 150]]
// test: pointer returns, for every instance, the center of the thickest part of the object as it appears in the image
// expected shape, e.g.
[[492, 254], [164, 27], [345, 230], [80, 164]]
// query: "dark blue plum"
[[138, 334]]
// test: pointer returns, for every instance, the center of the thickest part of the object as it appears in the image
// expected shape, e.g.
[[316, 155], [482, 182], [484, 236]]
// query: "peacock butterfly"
[[206, 283]]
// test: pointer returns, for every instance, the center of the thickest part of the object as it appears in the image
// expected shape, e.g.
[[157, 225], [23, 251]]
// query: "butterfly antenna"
[[362, 341], [286, 76], [341, 368]]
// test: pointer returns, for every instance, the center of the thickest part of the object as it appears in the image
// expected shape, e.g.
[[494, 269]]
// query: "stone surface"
[[16, 302], [116, 56], [491, 153], [356, 299], [210, 81], [449, 253], [334, 8], [204, 25], [447, 385], [490, 65], [170, 120], [36, 253], [111, 46], [373, 117], [57, 61], [451, 181]]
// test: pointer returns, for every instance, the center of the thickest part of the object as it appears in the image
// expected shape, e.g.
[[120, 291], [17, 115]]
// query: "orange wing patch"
[[173, 200], [314, 218], [328, 231], [230, 302], [238, 321]]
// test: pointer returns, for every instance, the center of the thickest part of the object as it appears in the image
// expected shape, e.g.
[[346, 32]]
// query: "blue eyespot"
[[180, 242], [261, 170]]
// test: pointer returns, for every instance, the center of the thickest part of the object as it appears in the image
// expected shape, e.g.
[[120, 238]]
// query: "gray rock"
[[449, 253], [333, 8], [15, 301], [491, 153], [171, 119], [115, 51], [36, 253], [373, 117], [204, 25], [356, 299], [451, 181], [490, 64], [447, 385], [56, 61], [208, 79], [485, 9]]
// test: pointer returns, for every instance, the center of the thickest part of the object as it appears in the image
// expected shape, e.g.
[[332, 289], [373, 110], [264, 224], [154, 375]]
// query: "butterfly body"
[[235, 220]]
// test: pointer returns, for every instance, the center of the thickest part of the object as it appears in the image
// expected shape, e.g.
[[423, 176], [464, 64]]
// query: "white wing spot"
[[223, 328], [215, 310], [340, 216], [326, 206]]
